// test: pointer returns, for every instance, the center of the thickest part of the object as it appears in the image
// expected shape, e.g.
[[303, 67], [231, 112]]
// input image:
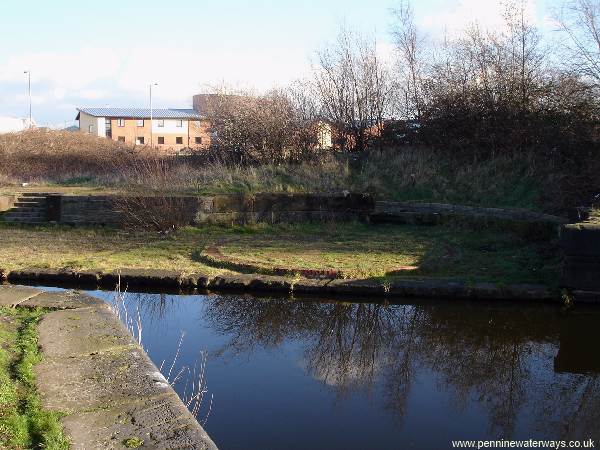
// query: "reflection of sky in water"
[[306, 374]]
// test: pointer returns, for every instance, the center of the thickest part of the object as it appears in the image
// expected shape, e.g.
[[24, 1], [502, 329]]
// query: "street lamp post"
[[28, 72], [151, 123]]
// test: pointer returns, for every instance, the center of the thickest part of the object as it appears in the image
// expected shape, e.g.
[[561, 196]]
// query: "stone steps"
[[30, 209]]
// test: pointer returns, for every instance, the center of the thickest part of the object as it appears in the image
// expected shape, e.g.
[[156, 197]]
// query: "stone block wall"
[[275, 208], [7, 202], [225, 209], [581, 247], [530, 224], [87, 210]]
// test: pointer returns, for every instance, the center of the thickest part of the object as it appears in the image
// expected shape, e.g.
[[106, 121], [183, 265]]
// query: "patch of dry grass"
[[357, 250], [55, 156], [98, 249]]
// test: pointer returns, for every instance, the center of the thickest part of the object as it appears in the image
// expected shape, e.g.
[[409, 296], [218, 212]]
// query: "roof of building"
[[141, 113]]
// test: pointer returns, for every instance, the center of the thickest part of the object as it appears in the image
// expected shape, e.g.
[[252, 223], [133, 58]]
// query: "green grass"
[[363, 251], [133, 442], [24, 424], [358, 250]]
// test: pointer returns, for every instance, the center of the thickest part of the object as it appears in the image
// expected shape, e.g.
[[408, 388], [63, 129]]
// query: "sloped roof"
[[142, 113]]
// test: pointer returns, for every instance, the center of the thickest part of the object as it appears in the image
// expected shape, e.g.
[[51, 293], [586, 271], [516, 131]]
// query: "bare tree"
[[410, 49], [275, 126], [580, 21], [353, 86]]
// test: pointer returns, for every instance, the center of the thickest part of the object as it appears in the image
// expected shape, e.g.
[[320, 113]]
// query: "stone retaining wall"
[[84, 210], [161, 280], [7, 202], [530, 223], [225, 209], [230, 209], [581, 246]]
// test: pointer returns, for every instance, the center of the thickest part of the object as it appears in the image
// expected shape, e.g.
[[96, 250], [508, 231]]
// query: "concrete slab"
[[161, 424], [15, 295], [71, 333], [98, 379], [61, 300], [105, 383]]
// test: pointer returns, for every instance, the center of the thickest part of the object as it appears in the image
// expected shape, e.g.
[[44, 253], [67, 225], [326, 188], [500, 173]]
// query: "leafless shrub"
[[133, 323], [193, 380], [154, 200]]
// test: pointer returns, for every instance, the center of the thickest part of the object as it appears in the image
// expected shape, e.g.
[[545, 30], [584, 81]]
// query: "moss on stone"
[[23, 421]]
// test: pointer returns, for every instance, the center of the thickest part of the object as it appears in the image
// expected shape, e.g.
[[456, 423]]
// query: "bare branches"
[[275, 126], [409, 46], [580, 21], [354, 88]]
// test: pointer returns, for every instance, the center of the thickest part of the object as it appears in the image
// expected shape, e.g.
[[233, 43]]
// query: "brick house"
[[172, 129]]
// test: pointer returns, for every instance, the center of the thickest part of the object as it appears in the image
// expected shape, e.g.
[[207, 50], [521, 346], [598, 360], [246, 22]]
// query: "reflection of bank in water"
[[493, 359], [579, 349]]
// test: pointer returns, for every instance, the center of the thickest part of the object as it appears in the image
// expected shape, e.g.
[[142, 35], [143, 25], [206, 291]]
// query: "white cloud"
[[459, 15], [68, 69], [119, 76], [92, 94]]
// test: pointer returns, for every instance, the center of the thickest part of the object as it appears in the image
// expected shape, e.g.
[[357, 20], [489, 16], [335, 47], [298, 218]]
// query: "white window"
[[139, 140], [179, 123], [121, 122], [140, 122], [161, 122], [90, 128]]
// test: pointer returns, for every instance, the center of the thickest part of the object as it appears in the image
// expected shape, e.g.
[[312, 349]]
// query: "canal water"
[[317, 374]]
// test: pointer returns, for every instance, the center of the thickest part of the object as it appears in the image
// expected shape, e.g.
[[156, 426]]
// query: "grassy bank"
[[75, 162], [23, 422], [358, 250]]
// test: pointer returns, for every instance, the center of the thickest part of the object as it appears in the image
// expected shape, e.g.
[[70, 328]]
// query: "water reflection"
[[532, 369], [494, 355]]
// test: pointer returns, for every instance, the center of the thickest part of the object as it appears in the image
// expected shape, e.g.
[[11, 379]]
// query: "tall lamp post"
[[28, 72], [151, 124]]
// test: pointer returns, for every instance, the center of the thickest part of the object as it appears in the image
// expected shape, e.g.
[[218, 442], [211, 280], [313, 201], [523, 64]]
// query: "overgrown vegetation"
[[496, 118], [412, 173], [23, 422]]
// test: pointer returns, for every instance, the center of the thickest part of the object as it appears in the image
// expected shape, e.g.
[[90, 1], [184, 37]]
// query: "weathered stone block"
[[224, 203], [581, 273], [580, 239], [142, 278], [7, 202], [50, 276]]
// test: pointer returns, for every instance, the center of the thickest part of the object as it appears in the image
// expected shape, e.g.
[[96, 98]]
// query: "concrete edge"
[[153, 279], [185, 428]]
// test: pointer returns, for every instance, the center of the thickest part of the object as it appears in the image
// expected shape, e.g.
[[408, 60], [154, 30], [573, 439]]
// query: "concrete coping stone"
[[154, 279], [511, 214], [101, 380]]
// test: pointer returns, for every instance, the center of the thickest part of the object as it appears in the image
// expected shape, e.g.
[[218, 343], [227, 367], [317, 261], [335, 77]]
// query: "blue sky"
[[106, 53]]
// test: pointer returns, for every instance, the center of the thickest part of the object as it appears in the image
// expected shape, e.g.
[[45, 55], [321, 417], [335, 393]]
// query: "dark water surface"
[[307, 374]]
